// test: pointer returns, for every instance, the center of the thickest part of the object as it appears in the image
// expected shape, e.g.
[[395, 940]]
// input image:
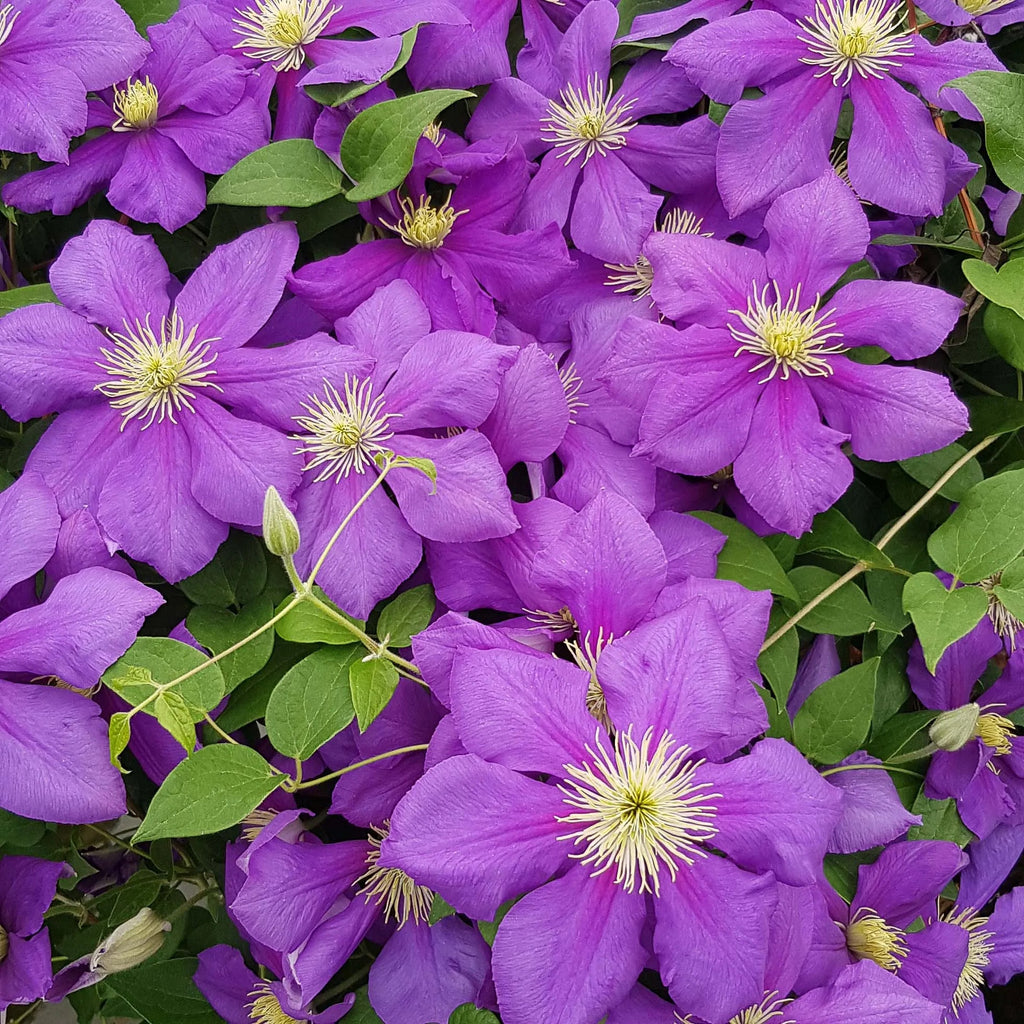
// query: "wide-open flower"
[[621, 836], [750, 383], [599, 161], [27, 888], [186, 111], [808, 63], [980, 762], [457, 252], [141, 383], [52, 52]]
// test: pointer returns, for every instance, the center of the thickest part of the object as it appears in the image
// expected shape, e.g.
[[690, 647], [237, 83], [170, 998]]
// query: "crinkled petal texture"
[[29, 526], [55, 757], [27, 888]]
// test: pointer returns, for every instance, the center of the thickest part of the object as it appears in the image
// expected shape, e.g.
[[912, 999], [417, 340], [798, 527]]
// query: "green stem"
[[974, 382], [192, 901], [217, 729], [883, 767], [359, 764]]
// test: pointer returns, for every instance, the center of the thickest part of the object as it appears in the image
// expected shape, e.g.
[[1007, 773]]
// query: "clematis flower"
[[765, 360], [991, 16], [622, 834], [599, 161], [810, 61], [186, 111], [981, 760], [27, 888], [53, 52], [142, 438], [459, 254]]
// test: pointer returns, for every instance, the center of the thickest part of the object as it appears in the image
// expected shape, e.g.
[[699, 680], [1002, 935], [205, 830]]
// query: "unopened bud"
[[280, 529], [129, 944], [955, 729]]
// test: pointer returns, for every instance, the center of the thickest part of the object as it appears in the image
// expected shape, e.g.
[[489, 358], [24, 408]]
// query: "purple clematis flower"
[[981, 763], [620, 838], [27, 888], [598, 160], [141, 381], [459, 254], [764, 363], [52, 52], [991, 16], [808, 62], [186, 111]]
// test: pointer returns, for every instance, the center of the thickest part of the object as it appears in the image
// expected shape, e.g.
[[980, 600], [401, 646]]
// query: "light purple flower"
[[52, 52], [764, 363], [143, 438]]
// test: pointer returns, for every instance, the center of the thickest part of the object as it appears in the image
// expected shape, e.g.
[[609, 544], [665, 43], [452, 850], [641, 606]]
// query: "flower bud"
[[955, 729], [129, 944], [280, 529]]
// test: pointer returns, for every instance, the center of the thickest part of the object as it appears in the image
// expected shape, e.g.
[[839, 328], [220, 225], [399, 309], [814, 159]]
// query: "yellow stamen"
[[979, 947], [586, 122], [277, 31], [980, 7], [1004, 622], [5, 943], [266, 1008], [400, 896], [586, 652], [560, 621], [135, 105], [869, 937], [995, 732], [422, 226], [572, 384]]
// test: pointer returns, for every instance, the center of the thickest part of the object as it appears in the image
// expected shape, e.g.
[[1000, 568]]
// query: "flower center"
[[586, 122], [391, 888], [8, 16], [255, 822], [638, 276], [345, 432], [979, 946], [135, 105], [995, 732], [847, 36], [769, 1009], [785, 335], [1004, 622], [422, 226], [154, 377], [432, 133], [276, 31], [639, 810], [561, 621], [265, 1007], [979, 7], [585, 652], [572, 384], [868, 937]]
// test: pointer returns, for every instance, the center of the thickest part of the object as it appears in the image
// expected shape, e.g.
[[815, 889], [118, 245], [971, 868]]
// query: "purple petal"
[[352, 60], [1007, 925], [992, 859], [29, 522], [959, 668], [216, 142], [691, 546], [31, 126], [935, 957], [585, 52], [511, 107], [569, 951], [931, 67], [386, 325], [27, 971], [27, 888]]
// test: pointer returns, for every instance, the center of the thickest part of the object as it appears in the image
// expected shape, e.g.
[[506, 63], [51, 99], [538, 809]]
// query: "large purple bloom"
[[185, 112], [764, 363], [141, 382], [52, 52], [807, 64], [621, 837]]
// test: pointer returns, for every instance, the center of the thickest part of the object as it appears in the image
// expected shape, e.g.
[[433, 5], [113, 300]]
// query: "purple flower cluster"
[[600, 304]]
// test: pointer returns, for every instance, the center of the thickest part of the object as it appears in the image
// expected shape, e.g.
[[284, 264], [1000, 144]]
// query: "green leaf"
[[746, 558], [439, 909], [835, 718], [292, 172], [841, 870], [18, 831], [164, 992], [378, 146], [1005, 286], [308, 624], [218, 629], [312, 703], [212, 789], [155, 660], [926, 470], [994, 415], [778, 663], [941, 616], [424, 466], [120, 733], [362, 1012], [999, 96], [1005, 330], [983, 535], [467, 1013], [333, 95], [176, 717], [902, 734], [249, 701], [488, 929], [406, 615], [310, 221], [969, 248], [30, 295], [236, 575], [372, 683], [939, 820], [149, 12], [832, 531], [1010, 588], [845, 612]]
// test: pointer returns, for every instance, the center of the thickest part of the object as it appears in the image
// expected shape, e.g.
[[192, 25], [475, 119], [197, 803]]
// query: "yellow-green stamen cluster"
[[586, 121], [980, 7], [855, 36], [785, 335], [155, 375], [869, 937], [391, 888], [979, 947], [135, 105], [1004, 622], [422, 226], [265, 1007], [639, 810], [277, 31]]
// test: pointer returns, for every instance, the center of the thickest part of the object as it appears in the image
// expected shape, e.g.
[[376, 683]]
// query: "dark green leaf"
[[379, 144], [18, 831], [149, 12], [1010, 589], [470, 1014], [841, 871], [746, 558], [902, 734], [439, 909], [1004, 287], [965, 247], [939, 820], [941, 616], [999, 96], [372, 683], [212, 789], [249, 701], [778, 663], [405, 616], [832, 531], [994, 415], [926, 470], [164, 993], [217, 629], [845, 612], [30, 295], [1005, 329], [237, 574], [834, 720], [292, 172], [312, 703]]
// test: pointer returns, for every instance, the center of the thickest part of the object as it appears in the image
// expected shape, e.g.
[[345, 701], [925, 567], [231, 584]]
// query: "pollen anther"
[[587, 121], [422, 226], [135, 105], [391, 888], [265, 1007], [869, 937], [277, 31]]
